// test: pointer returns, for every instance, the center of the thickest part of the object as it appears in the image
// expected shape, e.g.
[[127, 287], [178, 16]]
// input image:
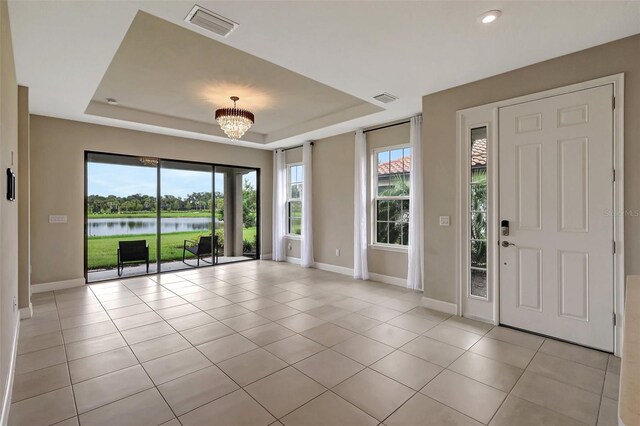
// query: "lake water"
[[134, 226]]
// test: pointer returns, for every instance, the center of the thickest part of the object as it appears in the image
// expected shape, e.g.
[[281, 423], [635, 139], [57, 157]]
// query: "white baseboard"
[[266, 256], [57, 285], [333, 268], [294, 260], [26, 312], [439, 305], [8, 389], [401, 282]]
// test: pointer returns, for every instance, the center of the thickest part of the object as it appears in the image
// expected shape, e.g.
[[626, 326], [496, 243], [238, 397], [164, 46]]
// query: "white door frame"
[[490, 111]]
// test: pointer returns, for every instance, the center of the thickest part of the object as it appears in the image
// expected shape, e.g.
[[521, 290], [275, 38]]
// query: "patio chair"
[[202, 249], [132, 252]]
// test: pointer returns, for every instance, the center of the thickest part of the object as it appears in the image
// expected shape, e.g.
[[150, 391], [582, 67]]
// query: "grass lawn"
[[102, 251], [151, 215]]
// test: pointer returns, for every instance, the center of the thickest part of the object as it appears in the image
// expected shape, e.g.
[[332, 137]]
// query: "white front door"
[[556, 191]]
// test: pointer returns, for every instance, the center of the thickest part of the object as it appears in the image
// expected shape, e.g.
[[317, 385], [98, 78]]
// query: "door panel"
[[556, 158]]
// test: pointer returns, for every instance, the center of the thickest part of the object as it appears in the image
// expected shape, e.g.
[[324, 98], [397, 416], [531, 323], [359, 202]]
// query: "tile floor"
[[265, 343]]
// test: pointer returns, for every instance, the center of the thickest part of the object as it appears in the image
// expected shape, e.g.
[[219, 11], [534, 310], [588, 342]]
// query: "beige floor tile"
[[294, 348], [304, 304], [161, 346], [45, 409], [391, 335], [206, 333], [151, 297], [258, 303], [477, 327], [300, 322], [210, 302], [328, 410], [557, 396], [329, 367], [515, 337], [228, 311], [186, 322], [328, 312], [111, 387], [245, 321], [284, 391], [196, 389], [251, 366], [453, 336], [468, 396], [413, 323], [614, 364], [168, 302], [226, 347], [147, 332], [237, 408], [516, 411], [94, 346], [277, 312], [137, 321], [356, 323], [178, 364], [144, 408], [363, 350], [37, 343], [73, 421], [569, 372], [433, 351], [379, 313], [377, 395], [608, 414], [89, 331], [121, 303], [328, 334], [40, 359], [590, 357], [41, 381], [80, 310], [285, 296], [424, 411], [517, 356], [241, 296], [266, 334], [177, 311], [102, 363], [351, 304], [128, 311], [611, 386], [407, 369], [486, 370]]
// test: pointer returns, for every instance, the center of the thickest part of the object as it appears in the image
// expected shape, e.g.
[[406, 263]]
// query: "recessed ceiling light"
[[112, 101], [490, 16]]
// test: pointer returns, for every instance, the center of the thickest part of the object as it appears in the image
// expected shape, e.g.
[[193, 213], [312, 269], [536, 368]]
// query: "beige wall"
[[8, 210], [57, 184], [24, 226], [439, 141]]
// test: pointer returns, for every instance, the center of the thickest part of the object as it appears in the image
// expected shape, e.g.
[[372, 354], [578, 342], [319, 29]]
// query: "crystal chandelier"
[[234, 121]]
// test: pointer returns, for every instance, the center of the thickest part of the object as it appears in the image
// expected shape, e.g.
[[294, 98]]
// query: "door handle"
[[507, 244]]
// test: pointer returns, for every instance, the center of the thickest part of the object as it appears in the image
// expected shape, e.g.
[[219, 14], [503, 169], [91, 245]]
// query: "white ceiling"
[[409, 49]]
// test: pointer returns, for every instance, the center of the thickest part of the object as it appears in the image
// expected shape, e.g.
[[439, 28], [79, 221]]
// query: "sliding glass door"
[[167, 214]]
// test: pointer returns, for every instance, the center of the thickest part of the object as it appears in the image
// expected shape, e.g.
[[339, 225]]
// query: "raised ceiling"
[[63, 49], [168, 75]]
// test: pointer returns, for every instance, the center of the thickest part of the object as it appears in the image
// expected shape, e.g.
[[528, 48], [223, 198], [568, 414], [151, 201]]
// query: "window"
[[478, 211], [391, 196], [295, 179]]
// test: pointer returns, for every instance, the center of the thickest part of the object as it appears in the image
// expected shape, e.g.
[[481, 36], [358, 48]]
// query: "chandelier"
[[234, 121]]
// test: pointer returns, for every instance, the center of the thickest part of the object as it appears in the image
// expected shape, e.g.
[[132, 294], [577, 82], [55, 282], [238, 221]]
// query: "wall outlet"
[[337, 252], [444, 220], [15, 304], [289, 246], [57, 218]]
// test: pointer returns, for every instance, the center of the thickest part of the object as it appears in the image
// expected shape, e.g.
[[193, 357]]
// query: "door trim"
[[490, 111]]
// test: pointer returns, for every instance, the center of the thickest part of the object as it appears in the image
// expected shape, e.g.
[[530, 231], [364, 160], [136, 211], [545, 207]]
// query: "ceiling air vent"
[[210, 21], [385, 98]]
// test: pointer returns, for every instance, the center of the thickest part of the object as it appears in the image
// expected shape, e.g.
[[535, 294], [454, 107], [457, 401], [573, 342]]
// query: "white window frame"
[[289, 199], [374, 197]]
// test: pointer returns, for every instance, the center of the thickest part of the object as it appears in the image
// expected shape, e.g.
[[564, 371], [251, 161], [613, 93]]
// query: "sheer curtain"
[[279, 205], [360, 268], [306, 260], [415, 273]]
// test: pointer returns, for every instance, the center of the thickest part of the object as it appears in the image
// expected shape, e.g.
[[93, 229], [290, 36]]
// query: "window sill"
[[293, 237], [384, 247]]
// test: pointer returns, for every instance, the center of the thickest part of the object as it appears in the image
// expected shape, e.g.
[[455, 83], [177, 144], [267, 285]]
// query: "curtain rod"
[[387, 126], [294, 147]]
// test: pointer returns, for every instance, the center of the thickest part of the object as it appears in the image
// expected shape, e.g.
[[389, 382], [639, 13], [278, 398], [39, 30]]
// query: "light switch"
[[444, 220], [57, 218]]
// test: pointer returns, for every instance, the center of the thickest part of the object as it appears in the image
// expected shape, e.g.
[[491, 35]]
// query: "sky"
[[107, 179]]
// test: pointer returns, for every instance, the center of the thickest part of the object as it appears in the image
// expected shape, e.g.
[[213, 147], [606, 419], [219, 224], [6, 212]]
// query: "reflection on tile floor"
[[262, 342]]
